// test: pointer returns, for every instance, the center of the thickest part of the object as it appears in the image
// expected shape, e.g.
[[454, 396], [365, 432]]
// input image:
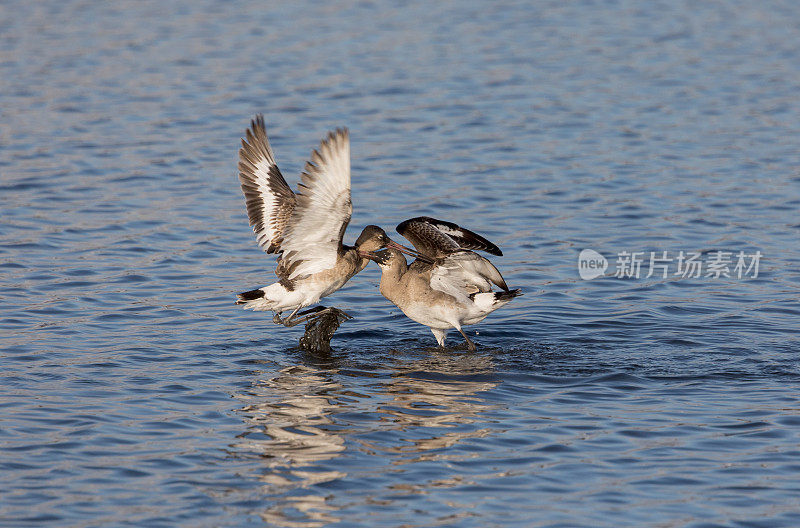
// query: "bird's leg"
[[291, 321], [313, 313], [439, 334], [287, 321], [470, 344], [319, 311]]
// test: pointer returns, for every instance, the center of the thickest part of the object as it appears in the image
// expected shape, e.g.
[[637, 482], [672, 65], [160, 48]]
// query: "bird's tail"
[[254, 300], [505, 296], [252, 295], [491, 301]]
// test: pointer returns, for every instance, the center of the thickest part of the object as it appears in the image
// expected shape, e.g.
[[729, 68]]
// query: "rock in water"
[[320, 330]]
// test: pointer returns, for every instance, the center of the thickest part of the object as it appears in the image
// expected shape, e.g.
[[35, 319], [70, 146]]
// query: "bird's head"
[[385, 257], [373, 238]]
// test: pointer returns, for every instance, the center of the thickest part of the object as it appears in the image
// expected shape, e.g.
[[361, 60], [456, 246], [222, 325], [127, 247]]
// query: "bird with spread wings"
[[448, 285], [305, 228]]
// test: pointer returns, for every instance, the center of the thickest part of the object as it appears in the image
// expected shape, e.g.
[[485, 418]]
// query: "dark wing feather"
[[427, 239], [270, 201], [438, 238]]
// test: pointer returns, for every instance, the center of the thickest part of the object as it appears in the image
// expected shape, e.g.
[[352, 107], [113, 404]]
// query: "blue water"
[[133, 392]]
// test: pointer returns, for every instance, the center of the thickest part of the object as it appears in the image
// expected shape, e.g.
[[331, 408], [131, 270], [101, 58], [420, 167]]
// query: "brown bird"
[[448, 285], [306, 228]]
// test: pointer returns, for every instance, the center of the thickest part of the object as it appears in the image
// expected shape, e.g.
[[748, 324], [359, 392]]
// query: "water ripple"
[[134, 392]]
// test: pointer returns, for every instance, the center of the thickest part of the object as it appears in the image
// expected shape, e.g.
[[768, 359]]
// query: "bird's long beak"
[[372, 255], [408, 251]]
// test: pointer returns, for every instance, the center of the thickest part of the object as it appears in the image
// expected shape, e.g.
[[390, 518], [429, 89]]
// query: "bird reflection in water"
[[287, 419], [311, 413], [439, 391]]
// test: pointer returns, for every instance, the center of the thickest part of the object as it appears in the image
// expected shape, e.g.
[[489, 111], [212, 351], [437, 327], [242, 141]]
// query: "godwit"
[[449, 286], [304, 229]]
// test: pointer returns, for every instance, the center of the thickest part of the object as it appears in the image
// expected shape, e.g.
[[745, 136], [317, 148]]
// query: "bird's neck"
[[391, 277], [351, 253]]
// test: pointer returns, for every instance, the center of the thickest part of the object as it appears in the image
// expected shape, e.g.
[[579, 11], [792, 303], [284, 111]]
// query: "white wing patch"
[[447, 231], [313, 236], [464, 273]]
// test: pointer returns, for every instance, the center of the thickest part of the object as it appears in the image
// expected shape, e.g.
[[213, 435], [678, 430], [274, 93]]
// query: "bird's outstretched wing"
[[465, 272], [270, 201], [313, 235], [438, 238]]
